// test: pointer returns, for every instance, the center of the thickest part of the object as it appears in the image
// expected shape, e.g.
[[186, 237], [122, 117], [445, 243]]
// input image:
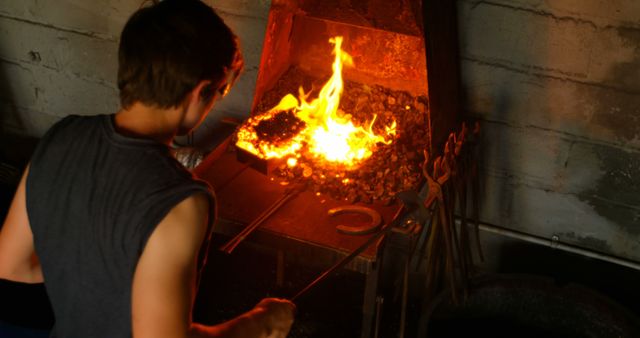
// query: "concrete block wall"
[[556, 85], [57, 58], [60, 57]]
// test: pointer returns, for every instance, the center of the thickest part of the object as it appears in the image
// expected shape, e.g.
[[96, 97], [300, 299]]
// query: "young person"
[[104, 215]]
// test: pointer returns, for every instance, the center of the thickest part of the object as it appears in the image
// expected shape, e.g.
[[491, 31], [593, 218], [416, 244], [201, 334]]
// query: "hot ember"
[[315, 128]]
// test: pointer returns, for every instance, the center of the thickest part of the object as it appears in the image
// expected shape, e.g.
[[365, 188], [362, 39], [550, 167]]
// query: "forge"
[[345, 104], [350, 96], [345, 141]]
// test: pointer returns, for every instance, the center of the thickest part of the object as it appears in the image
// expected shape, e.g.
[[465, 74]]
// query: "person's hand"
[[278, 316]]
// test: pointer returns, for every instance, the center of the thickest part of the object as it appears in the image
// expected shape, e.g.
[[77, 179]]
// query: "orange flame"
[[328, 133]]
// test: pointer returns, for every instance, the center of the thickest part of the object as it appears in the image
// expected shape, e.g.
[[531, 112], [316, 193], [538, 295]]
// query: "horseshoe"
[[374, 224]]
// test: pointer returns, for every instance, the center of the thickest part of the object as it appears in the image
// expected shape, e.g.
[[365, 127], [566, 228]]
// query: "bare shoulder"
[[194, 204], [18, 259], [164, 279], [184, 227]]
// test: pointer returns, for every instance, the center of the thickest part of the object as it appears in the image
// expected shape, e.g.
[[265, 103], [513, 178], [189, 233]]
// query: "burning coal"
[[315, 127]]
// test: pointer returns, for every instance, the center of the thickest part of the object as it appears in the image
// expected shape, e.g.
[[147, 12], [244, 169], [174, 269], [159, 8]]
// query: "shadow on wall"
[[504, 151], [15, 149], [622, 116], [9, 114], [501, 149]]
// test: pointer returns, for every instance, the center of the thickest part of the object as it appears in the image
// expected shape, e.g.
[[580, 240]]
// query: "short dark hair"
[[168, 48]]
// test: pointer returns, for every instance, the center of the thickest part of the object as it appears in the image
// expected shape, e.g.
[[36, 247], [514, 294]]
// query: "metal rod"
[[341, 263], [235, 241], [385, 229], [405, 295], [555, 243], [379, 303]]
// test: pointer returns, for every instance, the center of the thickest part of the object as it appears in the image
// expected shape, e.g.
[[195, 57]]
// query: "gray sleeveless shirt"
[[93, 199]]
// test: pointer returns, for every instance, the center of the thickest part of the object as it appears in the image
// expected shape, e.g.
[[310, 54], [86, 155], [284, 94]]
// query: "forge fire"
[[351, 141]]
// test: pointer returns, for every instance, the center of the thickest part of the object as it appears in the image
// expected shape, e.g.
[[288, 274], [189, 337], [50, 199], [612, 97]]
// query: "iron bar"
[[235, 241], [346, 260], [556, 244]]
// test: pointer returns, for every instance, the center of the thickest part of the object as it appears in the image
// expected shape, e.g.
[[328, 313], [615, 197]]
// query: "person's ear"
[[203, 92]]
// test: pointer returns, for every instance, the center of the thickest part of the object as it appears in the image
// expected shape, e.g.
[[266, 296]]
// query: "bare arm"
[[18, 259], [164, 284]]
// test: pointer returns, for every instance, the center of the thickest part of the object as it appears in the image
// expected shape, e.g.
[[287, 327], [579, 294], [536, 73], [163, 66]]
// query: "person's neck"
[[148, 122]]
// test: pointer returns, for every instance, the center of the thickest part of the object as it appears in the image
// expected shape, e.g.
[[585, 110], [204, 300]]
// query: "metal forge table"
[[301, 227]]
